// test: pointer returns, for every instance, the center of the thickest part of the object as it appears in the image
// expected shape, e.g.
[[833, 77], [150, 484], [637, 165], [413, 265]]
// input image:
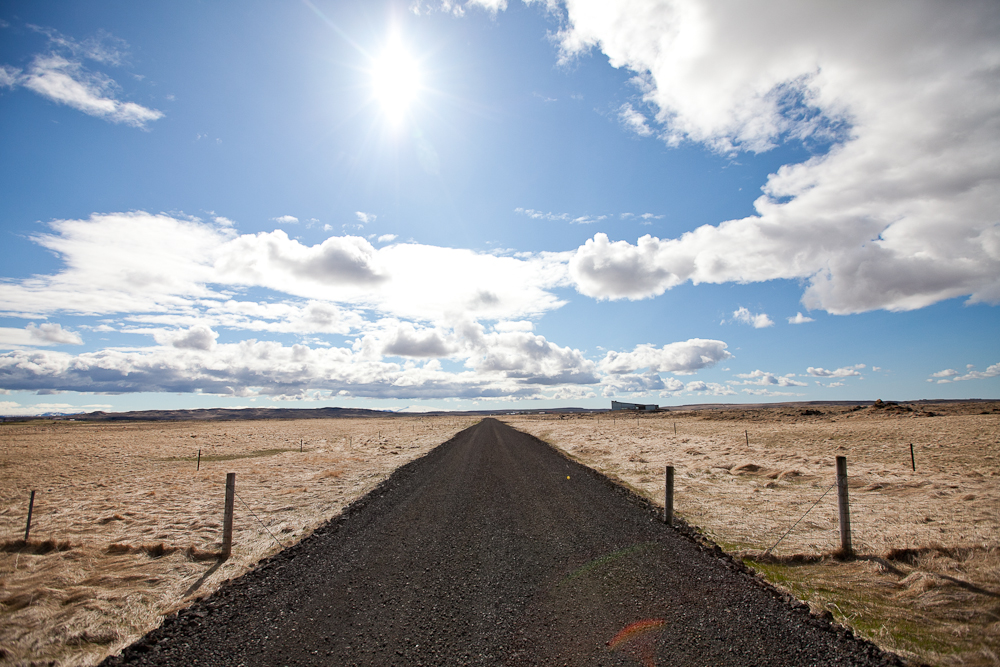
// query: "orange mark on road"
[[639, 637]]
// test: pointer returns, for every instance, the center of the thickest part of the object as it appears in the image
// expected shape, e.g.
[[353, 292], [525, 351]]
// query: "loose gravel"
[[494, 549]]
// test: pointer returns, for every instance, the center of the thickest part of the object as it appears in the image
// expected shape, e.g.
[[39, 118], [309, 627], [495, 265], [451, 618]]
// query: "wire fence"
[[804, 519]]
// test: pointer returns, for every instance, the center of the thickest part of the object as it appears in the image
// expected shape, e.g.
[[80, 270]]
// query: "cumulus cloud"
[[408, 341], [365, 218], [679, 358], [800, 319], [143, 263], [198, 337], [897, 214], [757, 320], [846, 371], [286, 220], [951, 375], [765, 379], [709, 388], [387, 238], [268, 368]]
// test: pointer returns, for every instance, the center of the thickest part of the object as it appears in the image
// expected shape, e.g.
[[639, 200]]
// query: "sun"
[[395, 79]]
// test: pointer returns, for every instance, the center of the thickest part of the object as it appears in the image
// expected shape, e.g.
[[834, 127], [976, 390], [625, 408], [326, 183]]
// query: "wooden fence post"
[[227, 522], [31, 506], [843, 503], [199, 461], [913, 461], [668, 501]]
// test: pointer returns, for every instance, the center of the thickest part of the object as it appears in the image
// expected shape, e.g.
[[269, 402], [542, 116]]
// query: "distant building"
[[615, 405]]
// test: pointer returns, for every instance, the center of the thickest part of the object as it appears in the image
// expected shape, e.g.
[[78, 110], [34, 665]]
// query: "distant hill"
[[226, 414]]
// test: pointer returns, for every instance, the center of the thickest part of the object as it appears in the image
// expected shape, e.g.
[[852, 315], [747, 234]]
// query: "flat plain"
[[758, 482], [125, 529]]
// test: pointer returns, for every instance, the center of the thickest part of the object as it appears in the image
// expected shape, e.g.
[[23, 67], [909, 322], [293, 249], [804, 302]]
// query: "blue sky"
[[497, 204]]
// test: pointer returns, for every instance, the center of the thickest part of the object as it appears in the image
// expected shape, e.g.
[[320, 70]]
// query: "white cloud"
[[897, 215], [709, 388], [759, 321], [846, 371], [768, 392], [47, 333], [103, 47], [513, 365], [9, 76], [198, 337], [634, 120], [765, 379], [67, 82], [492, 6], [564, 217], [679, 358], [365, 218], [800, 319], [142, 263], [286, 220], [951, 375], [387, 238]]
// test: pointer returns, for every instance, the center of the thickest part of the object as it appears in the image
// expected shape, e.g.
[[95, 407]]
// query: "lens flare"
[[639, 637]]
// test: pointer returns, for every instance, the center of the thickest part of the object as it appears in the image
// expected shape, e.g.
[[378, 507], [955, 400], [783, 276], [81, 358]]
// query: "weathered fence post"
[[227, 522], [31, 506], [913, 461], [668, 501], [843, 504], [199, 461], [746, 434]]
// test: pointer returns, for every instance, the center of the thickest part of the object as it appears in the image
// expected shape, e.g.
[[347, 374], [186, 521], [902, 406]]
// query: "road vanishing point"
[[495, 549]]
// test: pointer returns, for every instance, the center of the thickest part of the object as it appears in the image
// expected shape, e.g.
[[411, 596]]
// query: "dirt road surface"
[[495, 550]]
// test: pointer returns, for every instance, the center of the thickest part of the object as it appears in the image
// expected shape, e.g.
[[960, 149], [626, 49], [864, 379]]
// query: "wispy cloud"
[[61, 77], [562, 217], [46, 333], [800, 319], [286, 220], [634, 120]]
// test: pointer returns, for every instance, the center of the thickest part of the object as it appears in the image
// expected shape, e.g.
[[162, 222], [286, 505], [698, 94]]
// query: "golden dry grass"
[[928, 583], [125, 529]]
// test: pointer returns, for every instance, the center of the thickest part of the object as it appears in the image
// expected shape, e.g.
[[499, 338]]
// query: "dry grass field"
[[125, 529], [926, 583]]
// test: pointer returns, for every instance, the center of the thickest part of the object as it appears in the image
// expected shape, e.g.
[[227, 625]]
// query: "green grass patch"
[[872, 610]]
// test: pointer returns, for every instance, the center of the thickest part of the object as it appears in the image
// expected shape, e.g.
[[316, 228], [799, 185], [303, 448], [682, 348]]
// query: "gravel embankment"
[[495, 550]]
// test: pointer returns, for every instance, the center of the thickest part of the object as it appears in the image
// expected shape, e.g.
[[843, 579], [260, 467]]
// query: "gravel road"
[[496, 550]]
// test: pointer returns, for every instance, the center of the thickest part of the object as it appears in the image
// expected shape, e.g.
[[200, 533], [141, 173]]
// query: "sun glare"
[[395, 80]]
